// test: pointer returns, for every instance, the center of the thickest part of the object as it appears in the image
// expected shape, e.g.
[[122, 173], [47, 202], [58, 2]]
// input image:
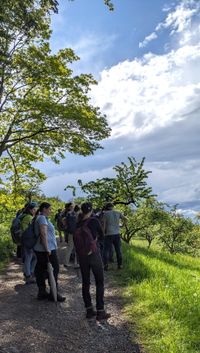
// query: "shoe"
[[59, 298], [42, 295], [29, 280], [102, 315], [90, 313], [106, 268], [76, 267]]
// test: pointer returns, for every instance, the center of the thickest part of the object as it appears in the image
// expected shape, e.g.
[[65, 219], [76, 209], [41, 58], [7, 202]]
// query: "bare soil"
[[29, 326]]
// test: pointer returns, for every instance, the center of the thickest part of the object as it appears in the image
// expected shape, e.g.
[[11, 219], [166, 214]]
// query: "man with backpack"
[[86, 237]]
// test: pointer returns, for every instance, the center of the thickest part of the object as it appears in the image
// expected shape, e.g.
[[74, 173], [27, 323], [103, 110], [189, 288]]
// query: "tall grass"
[[162, 294]]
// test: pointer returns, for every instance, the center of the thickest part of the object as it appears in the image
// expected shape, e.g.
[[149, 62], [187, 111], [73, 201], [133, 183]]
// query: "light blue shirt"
[[51, 238]]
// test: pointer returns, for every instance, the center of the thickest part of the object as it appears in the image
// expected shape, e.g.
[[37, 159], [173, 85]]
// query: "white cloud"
[[148, 39], [147, 94], [178, 20]]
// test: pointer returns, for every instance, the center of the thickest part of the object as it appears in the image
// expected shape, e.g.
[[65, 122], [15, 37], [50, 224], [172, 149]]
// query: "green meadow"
[[162, 298]]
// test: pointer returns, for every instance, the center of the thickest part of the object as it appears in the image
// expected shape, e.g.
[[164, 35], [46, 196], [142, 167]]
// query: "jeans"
[[92, 262], [109, 241], [30, 261], [41, 267]]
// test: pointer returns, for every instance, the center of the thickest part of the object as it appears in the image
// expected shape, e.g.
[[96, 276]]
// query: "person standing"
[[59, 224], [29, 256], [111, 219], [45, 250], [86, 238], [70, 220]]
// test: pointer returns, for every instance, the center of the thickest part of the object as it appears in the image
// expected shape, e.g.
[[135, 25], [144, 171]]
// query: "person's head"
[[31, 208], [86, 208], [109, 206], [45, 209], [76, 208], [69, 206]]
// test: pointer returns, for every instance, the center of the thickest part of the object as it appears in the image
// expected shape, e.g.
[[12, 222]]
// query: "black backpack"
[[70, 222], [29, 237]]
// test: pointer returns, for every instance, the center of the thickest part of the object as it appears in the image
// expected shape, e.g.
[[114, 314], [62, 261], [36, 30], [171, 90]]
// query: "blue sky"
[[146, 58]]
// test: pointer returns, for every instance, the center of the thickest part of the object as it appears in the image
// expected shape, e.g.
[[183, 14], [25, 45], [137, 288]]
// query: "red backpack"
[[84, 242]]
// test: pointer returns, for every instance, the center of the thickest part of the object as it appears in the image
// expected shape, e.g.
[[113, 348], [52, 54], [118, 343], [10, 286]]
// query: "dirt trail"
[[29, 326]]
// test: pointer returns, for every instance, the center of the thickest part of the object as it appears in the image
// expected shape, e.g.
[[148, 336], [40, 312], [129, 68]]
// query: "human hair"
[[44, 205], [86, 207], [68, 205], [76, 208], [109, 206]]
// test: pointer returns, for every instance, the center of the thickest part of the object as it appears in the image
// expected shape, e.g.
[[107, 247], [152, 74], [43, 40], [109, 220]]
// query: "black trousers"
[[92, 263], [41, 267]]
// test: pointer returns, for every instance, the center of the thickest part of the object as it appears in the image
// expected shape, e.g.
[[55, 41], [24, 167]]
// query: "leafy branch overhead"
[[44, 109]]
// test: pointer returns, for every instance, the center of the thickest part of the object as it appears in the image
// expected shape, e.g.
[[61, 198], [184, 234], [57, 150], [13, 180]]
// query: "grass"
[[162, 296]]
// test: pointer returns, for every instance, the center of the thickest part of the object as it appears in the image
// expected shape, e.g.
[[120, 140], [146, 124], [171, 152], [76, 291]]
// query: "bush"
[[6, 244]]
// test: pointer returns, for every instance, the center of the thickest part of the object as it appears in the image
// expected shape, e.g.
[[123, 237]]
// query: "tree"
[[128, 187], [44, 109], [177, 233]]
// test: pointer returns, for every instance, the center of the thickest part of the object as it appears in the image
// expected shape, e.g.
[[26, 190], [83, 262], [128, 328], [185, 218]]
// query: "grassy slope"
[[162, 299]]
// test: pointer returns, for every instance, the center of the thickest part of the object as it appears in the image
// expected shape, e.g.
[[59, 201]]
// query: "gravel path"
[[30, 326]]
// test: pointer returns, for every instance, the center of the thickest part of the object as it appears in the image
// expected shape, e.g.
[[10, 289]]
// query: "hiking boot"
[[42, 295], [90, 313], [102, 315], [29, 280]]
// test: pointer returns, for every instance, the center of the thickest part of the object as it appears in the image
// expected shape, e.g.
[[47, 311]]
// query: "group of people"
[[91, 235]]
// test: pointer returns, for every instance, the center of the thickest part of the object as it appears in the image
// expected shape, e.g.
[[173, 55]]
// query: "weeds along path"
[[29, 326]]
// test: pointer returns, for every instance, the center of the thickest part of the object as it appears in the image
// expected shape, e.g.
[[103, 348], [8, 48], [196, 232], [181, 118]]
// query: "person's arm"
[[43, 237], [123, 218]]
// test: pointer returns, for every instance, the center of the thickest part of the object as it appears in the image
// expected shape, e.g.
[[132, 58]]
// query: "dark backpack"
[[70, 222], [84, 242], [29, 237], [15, 229], [59, 220]]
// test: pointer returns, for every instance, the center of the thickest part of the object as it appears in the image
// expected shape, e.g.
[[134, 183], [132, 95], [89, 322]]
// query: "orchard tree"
[[128, 187], [44, 108], [177, 233]]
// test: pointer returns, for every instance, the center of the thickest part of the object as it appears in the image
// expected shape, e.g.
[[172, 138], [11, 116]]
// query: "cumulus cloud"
[[152, 104]]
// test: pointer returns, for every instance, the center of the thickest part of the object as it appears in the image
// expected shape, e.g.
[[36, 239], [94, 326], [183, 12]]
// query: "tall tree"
[[44, 108]]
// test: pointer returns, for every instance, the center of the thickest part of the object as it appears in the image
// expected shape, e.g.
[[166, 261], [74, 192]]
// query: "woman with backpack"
[[86, 235], [29, 258], [46, 251]]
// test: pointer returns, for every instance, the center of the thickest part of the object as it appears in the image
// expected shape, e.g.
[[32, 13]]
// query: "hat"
[[31, 205]]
